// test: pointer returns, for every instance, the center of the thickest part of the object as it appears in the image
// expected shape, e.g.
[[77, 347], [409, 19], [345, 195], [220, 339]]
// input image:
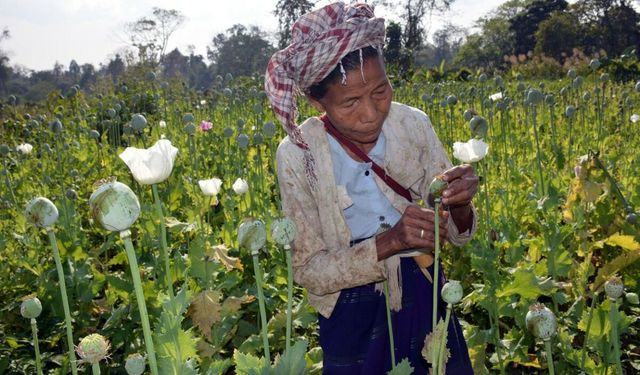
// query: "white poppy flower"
[[471, 151], [162, 124], [26, 148], [496, 96], [240, 186], [152, 165], [634, 118], [210, 187]]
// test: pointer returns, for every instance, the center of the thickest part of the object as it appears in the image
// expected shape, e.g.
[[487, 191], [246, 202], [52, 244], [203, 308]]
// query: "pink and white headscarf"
[[320, 39]]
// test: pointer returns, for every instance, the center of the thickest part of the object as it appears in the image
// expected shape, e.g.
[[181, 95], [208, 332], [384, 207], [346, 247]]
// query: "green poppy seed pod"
[[4, 150], [227, 92], [93, 134], [541, 322], [521, 86], [498, 80], [452, 292], [188, 118], [604, 77], [269, 129], [564, 91], [138, 122], [632, 218], [637, 88], [111, 112], [71, 194], [150, 76], [482, 78], [47, 148], [31, 308], [73, 91], [252, 235], [577, 82], [190, 128], [93, 348], [632, 298], [452, 100], [114, 206], [257, 109], [425, 98], [135, 364], [436, 88], [41, 212], [550, 99], [228, 77], [586, 96], [614, 288], [228, 132], [572, 73], [501, 105], [478, 126], [55, 126], [243, 141], [594, 64], [443, 103], [240, 123], [283, 231], [12, 99], [468, 115], [534, 97], [258, 139], [437, 186], [570, 111]]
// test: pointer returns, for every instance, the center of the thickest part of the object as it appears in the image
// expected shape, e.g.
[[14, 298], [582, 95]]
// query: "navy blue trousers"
[[355, 338]]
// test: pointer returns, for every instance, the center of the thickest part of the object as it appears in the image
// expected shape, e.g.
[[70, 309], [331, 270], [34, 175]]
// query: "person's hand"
[[463, 185], [415, 229]]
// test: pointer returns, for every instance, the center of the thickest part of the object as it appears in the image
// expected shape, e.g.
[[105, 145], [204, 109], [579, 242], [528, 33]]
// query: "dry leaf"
[[232, 304], [205, 310], [221, 253]]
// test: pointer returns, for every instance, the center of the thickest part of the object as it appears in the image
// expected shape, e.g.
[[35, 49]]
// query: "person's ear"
[[316, 104]]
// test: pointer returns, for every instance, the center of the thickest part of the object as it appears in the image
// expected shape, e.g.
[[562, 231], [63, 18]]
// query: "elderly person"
[[350, 180]]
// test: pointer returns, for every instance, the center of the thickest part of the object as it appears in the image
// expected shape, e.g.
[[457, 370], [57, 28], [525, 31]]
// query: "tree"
[[150, 35], [557, 36], [175, 64], [525, 24], [288, 11], [394, 53], [88, 75], [240, 51], [115, 68], [5, 70], [488, 47], [447, 41], [413, 13], [74, 70]]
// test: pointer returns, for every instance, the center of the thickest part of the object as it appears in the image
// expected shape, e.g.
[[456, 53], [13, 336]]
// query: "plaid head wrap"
[[320, 39]]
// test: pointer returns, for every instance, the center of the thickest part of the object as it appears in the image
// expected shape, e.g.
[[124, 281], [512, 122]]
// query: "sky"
[[44, 32]]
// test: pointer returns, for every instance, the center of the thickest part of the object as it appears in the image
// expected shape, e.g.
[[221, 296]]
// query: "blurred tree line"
[[516, 34]]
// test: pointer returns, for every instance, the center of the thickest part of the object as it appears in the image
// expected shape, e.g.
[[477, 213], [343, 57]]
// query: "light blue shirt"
[[370, 208]]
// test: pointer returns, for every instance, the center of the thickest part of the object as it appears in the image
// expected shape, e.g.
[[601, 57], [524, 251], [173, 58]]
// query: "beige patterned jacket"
[[323, 261]]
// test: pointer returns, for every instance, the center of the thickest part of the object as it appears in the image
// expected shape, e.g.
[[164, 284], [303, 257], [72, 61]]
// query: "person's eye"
[[351, 103]]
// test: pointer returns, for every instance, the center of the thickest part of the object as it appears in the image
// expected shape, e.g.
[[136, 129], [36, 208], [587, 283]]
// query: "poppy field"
[[141, 232]]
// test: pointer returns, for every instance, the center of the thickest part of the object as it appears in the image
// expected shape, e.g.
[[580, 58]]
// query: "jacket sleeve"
[[434, 161], [315, 266]]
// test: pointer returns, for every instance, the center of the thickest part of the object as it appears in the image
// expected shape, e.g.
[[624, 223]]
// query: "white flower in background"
[[26, 148], [203, 102], [152, 165], [634, 118], [162, 124], [496, 96], [471, 151], [210, 187], [240, 186]]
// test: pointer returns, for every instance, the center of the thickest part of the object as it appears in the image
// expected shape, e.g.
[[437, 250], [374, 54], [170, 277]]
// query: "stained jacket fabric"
[[323, 261]]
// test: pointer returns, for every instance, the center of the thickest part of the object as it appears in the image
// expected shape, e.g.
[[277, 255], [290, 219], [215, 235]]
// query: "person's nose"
[[369, 112]]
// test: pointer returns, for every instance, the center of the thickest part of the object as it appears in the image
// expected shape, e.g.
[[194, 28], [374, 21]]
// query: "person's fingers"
[[457, 172]]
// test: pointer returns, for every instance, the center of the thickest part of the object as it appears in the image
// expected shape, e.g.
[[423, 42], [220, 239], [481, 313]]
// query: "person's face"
[[358, 109]]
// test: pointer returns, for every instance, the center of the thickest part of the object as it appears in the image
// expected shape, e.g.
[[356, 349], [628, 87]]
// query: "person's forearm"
[[462, 217]]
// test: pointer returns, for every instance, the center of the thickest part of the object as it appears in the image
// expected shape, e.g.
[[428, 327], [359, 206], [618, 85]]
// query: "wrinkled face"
[[358, 109]]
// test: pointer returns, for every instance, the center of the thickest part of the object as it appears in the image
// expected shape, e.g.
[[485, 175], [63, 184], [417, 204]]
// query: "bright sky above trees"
[[46, 31]]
